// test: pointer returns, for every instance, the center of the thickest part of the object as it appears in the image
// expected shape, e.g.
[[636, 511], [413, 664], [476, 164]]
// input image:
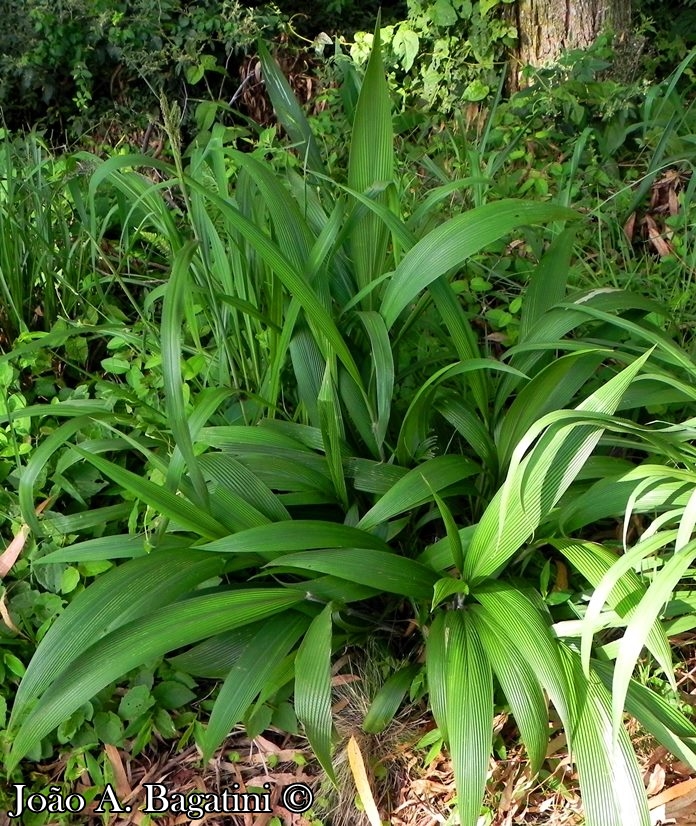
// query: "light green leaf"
[[642, 621], [611, 785], [520, 686], [536, 481], [469, 709]]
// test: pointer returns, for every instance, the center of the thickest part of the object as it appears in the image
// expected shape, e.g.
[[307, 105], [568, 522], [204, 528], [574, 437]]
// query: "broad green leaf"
[[469, 425], [547, 284], [138, 642], [123, 594], [248, 676], [551, 389], [383, 571], [611, 785], [280, 538], [214, 658], [40, 456], [371, 161], [308, 366], [415, 425], [334, 589], [83, 521], [237, 478], [313, 688], [463, 338], [331, 423], [469, 710], [536, 481], [172, 319], [512, 614], [291, 231], [288, 110], [451, 244], [439, 555], [294, 281], [181, 511], [105, 547], [520, 686], [417, 486], [436, 670], [383, 371], [448, 587], [452, 532]]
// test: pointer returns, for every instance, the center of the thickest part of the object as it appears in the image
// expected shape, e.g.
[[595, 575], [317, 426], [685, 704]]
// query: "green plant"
[[315, 496], [44, 252], [69, 64], [444, 52]]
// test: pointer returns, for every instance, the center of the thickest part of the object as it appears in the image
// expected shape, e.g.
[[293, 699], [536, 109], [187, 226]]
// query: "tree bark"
[[546, 28]]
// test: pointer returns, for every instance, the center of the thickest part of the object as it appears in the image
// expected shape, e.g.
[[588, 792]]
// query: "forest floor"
[[406, 792]]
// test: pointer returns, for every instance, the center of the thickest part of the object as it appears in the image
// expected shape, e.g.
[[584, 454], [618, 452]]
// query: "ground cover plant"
[[308, 447]]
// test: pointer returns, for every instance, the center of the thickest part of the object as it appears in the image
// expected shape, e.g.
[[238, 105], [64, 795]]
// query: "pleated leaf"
[[386, 572], [313, 688], [297, 535], [451, 244], [417, 486], [171, 326], [436, 670], [520, 687], [123, 594], [469, 711], [180, 510], [611, 785], [657, 716], [536, 481], [388, 700], [593, 561], [371, 161], [288, 110], [249, 675], [138, 642], [643, 620], [512, 615]]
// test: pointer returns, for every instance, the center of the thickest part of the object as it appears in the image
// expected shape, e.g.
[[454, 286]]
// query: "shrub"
[[65, 65]]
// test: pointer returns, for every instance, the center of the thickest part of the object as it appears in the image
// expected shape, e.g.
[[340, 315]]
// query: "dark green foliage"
[[67, 64]]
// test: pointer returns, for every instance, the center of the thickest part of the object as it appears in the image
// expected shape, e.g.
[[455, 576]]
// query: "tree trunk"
[[548, 27]]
